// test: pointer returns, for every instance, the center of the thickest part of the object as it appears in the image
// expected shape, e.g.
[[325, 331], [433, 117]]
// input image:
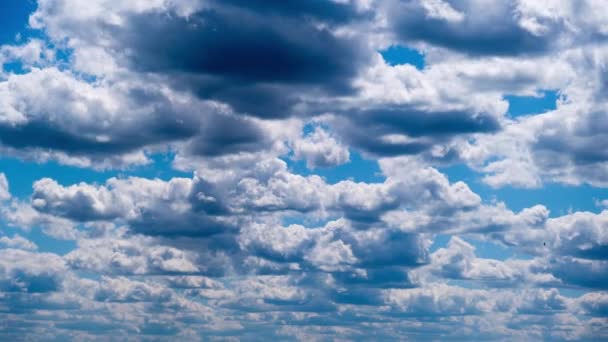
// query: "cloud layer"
[[308, 188]]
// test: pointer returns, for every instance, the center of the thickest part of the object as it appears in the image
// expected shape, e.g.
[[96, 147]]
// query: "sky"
[[303, 170]]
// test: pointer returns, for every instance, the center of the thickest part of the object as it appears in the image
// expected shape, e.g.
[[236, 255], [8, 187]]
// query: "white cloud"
[[319, 149], [19, 242]]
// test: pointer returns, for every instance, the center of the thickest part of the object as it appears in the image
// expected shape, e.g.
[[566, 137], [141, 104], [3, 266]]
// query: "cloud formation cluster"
[[257, 102]]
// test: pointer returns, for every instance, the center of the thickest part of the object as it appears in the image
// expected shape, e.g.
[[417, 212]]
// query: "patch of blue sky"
[[528, 105], [466, 284], [160, 167], [398, 55], [439, 241], [14, 16], [14, 68], [305, 220], [359, 169], [15, 30], [496, 251], [560, 199], [572, 292]]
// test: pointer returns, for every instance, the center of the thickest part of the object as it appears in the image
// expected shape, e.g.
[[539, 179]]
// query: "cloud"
[[83, 120], [545, 147], [245, 244], [4, 190], [401, 131], [136, 255], [30, 272], [594, 303], [459, 261], [33, 53], [151, 206], [224, 50], [319, 149], [378, 243], [18, 242], [214, 202], [125, 290], [438, 300], [66, 121], [457, 25]]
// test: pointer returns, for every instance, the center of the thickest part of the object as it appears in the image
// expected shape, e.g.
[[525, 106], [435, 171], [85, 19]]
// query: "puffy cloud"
[[573, 246], [438, 300], [378, 244], [335, 247], [581, 272], [125, 290], [113, 255], [214, 40], [559, 145], [155, 207], [18, 242], [594, 303], [110, 124], [90, 122], [457, 25], [458, 261], [33, 53], [402, 130], [522, 27], [580, 234], [216, 199], [30, 272], [319, 149]]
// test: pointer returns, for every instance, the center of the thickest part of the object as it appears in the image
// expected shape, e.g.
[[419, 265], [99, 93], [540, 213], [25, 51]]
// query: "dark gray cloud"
[[578, 144], [227, 135], [261, 60], [461, 26], [378, 277], [237, 47], [80, 119], [388, 248], [100, 122], [581, 272], [371, 130]]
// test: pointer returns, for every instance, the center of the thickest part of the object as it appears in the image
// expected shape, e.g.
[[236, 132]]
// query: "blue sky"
[[15, 15], [303, 171]]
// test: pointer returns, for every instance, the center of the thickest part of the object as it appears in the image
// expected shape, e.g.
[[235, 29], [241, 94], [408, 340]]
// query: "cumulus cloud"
[[114, 255], [154, 206], [18, 242], [457, 25], [30, 272], [319, 149], [214, 40]]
